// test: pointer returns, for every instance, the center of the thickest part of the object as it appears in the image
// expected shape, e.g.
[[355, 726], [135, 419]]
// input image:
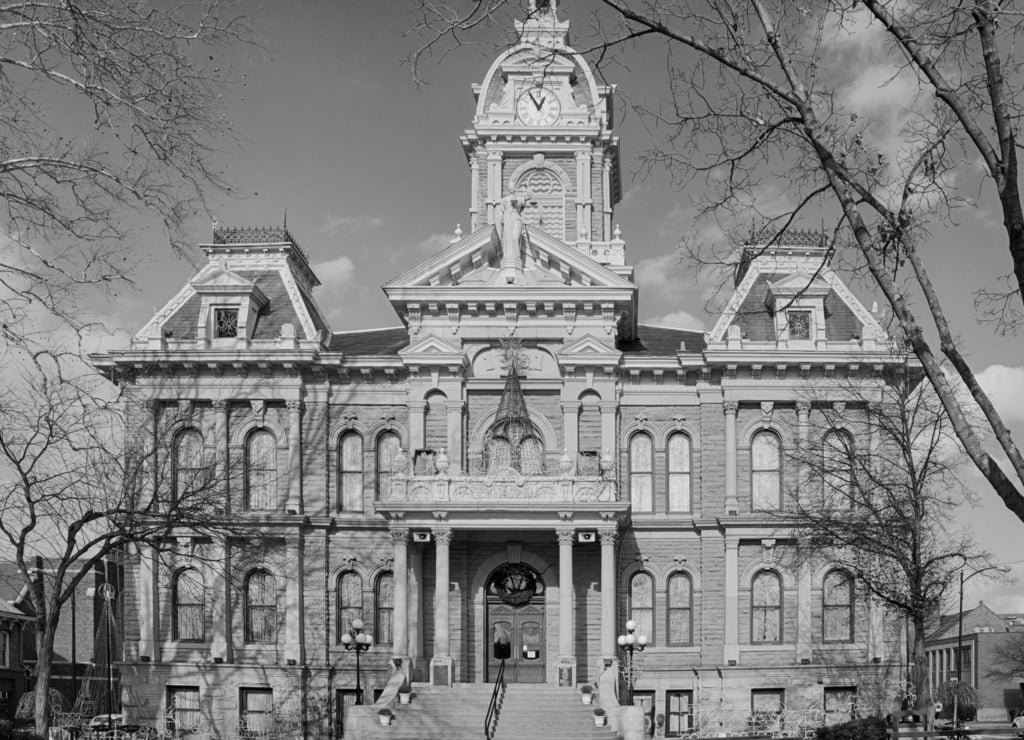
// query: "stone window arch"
[[546, 207], [389, 449], [838, 481]]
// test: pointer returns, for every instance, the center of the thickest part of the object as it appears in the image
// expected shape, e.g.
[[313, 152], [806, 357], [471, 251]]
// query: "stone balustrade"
[[510, 487]]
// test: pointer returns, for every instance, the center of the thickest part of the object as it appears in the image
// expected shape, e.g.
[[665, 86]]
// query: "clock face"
[[538, 106]]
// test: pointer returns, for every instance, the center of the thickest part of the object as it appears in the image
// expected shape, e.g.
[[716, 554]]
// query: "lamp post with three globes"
[[630, 644], [360, 642]]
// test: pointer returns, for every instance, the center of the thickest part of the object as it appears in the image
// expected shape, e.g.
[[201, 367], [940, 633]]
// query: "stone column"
[[417, 409], [876, 631], [441, 664], [294, 503], [566, 638], [155, 475], [732, 595], [608, 593], [220, 641], [608, 411], [295, 649], [606, 188], [220, 440], [149, 603], [571, 428], [493, 183], [416, 609], [804, 638], [455, 454], [400, 542], [732, 505], [803, 413], [474, 193]]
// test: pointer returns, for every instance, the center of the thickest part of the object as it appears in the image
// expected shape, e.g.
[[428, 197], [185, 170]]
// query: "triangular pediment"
[[430, 345], [220, 279], [587, 345], [473, 262], [800, 283]]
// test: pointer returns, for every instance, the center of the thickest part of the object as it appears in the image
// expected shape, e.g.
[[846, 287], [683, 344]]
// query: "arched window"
[[189, 608], [641, 604], [680, 609], [837, 607], [546, 208], [384, 609], [260, 607], [641, 472], [388, 448], [350, 600], [678, 462], [837, 475], [189, 467], [766, 472], [766, 607], [350, 472], [261, 471]]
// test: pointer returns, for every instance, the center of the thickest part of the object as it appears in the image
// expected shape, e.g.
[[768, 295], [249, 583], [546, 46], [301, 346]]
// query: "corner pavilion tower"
[[519, 452]]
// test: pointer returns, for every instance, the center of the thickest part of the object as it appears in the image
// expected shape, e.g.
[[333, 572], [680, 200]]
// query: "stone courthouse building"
[[519, 450]]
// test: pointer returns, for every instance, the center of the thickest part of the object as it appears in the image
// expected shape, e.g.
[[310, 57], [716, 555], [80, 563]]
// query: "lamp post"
[[960, 635], [631, 643], [360, 642]]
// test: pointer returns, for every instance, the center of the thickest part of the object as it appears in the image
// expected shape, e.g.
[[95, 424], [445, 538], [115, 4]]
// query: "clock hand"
[[537, 104]]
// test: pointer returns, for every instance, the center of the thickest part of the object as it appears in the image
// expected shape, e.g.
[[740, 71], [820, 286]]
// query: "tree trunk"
[[919, 665], [45, 630]]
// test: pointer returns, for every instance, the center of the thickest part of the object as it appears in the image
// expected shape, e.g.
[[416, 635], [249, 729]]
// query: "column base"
[[442, 670], [566, 671]]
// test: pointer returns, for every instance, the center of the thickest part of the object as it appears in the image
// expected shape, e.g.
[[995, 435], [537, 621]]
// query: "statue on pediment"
[[508, 227]]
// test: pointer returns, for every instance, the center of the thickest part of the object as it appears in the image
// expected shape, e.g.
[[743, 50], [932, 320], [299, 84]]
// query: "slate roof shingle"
[[662, 340]]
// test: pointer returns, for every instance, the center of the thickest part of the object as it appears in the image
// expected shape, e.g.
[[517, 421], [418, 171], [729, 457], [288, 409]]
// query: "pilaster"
[[294, 503], [455, 452], [400, 544], [566, 637], [442, 667], [731, 652], [732, 506]]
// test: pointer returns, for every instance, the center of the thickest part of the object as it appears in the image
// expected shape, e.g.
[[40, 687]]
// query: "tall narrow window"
[[766, 472], [350, 472], [260, 607], [678, 461], [678, 713], [261, 471], [183, 709], [189, 609], [256, 713], [388, 449], [680, 609], [189, 470], [384, 609], [837, 607], [350, 600], [5, 649], [641, 604], [641, 472], [837, 476], [766, 607]]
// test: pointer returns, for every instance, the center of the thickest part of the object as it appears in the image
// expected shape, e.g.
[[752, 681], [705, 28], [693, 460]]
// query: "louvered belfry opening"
[[513, 443]]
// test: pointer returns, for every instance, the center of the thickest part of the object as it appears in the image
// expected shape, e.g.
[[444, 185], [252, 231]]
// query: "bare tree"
[[83, 478], [879, 490], [754, 93], [1008, 658], [111, 115]]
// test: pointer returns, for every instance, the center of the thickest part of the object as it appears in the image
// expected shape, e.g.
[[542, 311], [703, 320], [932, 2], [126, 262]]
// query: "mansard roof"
[[664, 341], [370, 341]]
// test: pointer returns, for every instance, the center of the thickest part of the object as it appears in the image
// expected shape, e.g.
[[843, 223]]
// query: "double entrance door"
[[524, 626]]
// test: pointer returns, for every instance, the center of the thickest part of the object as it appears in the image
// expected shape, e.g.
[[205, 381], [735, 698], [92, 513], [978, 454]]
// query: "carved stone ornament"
[[259, 409], [608, 536], [442, 535], [389, 420], [566, 535], [349, 420], [839, 407], [730, 408], [414, 317], [565, 464], [766, 413], [441, 462], [186, 406], [641, 421], [768, 550], [399, 534], [678, 420], [803, 408]]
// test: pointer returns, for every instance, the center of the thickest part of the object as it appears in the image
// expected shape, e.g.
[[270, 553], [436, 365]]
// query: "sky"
[[368, 170]]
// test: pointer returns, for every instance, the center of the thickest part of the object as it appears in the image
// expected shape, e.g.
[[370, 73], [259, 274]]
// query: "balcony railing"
[[591, 483]]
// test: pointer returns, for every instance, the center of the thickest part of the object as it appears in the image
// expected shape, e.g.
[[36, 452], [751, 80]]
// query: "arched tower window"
[[261, 471], [189, 607], [641, 472], [546, 208], [260, 607], [766, 607]]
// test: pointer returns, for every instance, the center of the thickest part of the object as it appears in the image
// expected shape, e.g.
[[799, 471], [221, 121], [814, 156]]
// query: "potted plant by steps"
[[587, 693], [600, 717], [404, 692], [385, 715]]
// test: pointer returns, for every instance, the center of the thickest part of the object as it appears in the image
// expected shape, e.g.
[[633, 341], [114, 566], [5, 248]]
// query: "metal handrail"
[[491, 720]]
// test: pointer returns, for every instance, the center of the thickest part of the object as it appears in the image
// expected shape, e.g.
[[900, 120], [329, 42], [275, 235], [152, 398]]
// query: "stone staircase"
[[534, 711]]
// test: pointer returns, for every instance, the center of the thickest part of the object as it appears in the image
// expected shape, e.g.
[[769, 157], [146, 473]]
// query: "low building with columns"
[[517, 455]]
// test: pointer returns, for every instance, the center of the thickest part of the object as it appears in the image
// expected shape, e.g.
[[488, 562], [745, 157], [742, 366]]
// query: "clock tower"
[[543, 124]]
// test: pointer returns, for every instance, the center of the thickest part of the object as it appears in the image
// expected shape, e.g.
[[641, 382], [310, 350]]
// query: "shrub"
[[966, 697], [385, 712], [868, 728], [586, 689], [599, 712]]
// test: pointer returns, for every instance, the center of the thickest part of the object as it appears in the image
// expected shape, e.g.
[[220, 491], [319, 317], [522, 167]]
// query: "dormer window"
[[799, 323], [226, 323]]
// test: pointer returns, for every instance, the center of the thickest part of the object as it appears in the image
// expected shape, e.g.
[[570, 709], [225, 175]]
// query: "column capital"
[[454, 406], [399, 534], [570, 406], [442, 535], [730, 408], [294, 406], [608, 407], [494, 155], [420, 406], [608, 535], [566, 535], [803, 408], [220, 405]]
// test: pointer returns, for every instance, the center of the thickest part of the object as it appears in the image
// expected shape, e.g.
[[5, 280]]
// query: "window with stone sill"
[[350, 601], [188, 595], [350, 472], [840, 704], [183, 710], [5, 649], [261, 471], [766, 608], [678, 713], [641, 604], [766, 471], [837, 607], [641, 472], [678, 461], [680, 609], [260, 607], [384, 609], [225, 321], [256, 718], [799, 324]]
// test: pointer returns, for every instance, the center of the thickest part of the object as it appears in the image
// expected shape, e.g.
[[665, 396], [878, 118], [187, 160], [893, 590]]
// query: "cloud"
[[658, 274], [347, 224], [1005, 387], [335, 273], [435, 243], [677, 320]]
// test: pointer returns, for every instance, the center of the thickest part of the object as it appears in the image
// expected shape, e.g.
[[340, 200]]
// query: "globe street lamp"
[[960, 636], [630, 644], [360, 642]]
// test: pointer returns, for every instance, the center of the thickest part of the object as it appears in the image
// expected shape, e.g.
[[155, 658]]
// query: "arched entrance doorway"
[[514, 599]]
